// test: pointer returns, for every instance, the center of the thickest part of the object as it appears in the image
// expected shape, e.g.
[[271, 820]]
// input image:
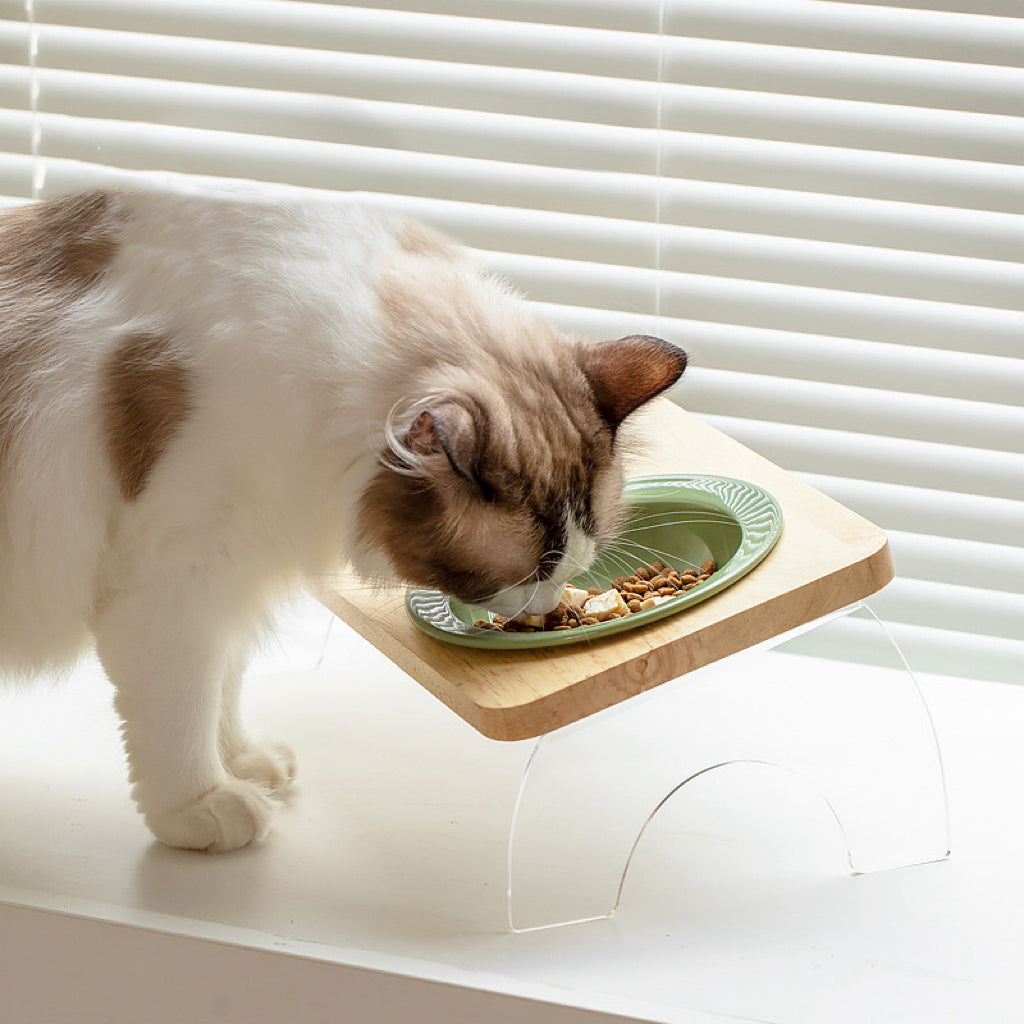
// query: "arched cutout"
[[860, 738], [701, 774]]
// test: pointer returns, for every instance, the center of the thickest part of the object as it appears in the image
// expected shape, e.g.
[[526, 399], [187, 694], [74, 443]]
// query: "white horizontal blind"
[[823, 202]]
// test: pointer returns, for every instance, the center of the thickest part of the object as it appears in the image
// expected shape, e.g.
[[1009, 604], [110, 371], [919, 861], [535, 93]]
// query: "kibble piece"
[[534, 621], [709, 566], [604, 605], [667, 592]]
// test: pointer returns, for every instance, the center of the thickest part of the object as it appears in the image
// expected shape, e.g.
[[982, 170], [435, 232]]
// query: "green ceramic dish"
[[680, 520]]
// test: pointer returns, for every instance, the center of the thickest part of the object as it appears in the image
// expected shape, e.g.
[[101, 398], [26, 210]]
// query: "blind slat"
[[979, 425], [927, 649], [959, 181], [827, 74], [928, 512], [879, 457], [875, 127], [951, 560], [878, 223], [844, 27], [952, 607]]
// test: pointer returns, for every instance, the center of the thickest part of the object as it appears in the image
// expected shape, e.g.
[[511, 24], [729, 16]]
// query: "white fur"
[[538, 598], [272, 307]]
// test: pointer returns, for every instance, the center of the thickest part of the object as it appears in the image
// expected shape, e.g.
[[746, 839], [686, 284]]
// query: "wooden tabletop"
[[827, 558]]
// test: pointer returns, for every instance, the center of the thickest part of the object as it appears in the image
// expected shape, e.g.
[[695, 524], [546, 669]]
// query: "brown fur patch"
[[442, 537], [65, 243], [50, 254], [147, 396]]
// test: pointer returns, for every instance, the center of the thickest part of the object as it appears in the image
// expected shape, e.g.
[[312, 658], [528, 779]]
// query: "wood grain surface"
[[827, 558]]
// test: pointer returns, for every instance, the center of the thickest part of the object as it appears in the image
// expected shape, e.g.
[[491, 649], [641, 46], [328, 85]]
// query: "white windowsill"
[[380, 894]]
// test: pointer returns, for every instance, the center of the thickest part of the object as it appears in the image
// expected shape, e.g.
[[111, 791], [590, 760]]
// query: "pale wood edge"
[[670, 661]]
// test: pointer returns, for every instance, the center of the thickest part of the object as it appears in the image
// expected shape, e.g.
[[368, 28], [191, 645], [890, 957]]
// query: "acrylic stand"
[[859, 735]]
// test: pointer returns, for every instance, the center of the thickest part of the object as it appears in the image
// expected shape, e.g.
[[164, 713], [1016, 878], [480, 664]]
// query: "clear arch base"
[[859, 735]]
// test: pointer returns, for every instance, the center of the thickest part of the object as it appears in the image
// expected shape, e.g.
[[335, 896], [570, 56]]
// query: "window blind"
[[823, 202]]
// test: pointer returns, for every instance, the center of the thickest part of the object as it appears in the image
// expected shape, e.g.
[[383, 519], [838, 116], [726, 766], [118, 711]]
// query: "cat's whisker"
[[512, 586], [643, 553], [526, 603], [631, 537], [626, 544], [624, 563], [674, 518], [633, 532]]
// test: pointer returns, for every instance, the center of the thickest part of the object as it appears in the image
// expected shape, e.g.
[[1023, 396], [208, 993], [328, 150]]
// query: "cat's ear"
[[626, 373], [447, 428]]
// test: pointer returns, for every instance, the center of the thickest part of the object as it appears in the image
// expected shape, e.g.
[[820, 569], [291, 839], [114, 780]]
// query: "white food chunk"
[[652, 602], [574, 597], [603, 606], [531, 620]]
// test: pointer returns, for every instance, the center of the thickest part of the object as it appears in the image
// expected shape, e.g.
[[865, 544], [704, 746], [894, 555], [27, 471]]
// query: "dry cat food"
[[648, 586]]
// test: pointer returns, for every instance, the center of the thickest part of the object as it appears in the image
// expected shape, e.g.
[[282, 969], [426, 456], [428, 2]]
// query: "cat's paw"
[[232, 815], [271, 765]]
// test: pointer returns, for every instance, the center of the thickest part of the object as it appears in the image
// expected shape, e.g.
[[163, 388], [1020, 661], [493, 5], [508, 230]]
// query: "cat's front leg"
[[269, 763], [168, 664]]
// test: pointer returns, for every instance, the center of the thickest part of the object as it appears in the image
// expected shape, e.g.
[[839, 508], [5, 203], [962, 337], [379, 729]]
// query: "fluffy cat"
[[206, 399]]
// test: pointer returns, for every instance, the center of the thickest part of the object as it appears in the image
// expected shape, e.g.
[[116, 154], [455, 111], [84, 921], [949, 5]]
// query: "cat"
[[208, 398]]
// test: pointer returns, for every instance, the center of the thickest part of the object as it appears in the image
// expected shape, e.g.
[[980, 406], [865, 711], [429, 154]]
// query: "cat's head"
[[499, 488]]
